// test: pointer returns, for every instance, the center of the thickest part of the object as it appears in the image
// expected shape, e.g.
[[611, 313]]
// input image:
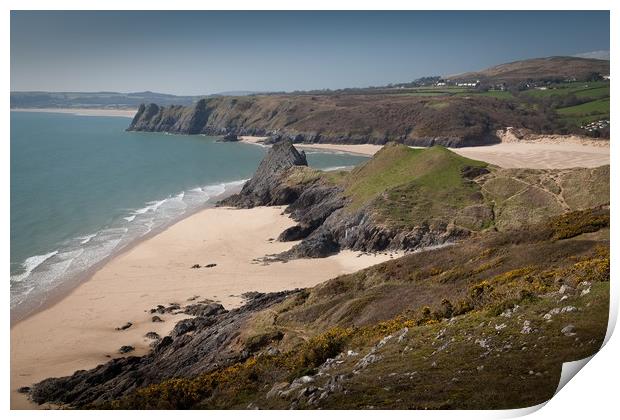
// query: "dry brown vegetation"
[[478, 325]]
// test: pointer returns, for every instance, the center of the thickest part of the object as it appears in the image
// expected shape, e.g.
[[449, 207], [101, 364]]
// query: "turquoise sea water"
[[82, 189]]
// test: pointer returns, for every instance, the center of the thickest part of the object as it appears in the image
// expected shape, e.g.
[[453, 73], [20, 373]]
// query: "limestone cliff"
[[377, 119]]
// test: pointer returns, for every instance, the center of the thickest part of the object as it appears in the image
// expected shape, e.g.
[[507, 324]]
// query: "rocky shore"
[[304, 348], [328, 220]]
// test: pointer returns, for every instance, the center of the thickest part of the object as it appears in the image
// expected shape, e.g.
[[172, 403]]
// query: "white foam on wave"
[[42, 273], [86, 239], [337, 168], [30, 264]]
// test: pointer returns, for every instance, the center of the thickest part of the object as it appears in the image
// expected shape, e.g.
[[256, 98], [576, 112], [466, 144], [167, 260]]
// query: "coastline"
[[79, 330], [60, 291], [542, 153], [90, 112]]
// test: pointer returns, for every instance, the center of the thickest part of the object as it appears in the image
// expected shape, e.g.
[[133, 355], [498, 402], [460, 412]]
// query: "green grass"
[[434, 91], [599, 92], [587, 112], [581, 89], [599, 106], [438, 104], [404, 185], [422, 94], [499, 94]]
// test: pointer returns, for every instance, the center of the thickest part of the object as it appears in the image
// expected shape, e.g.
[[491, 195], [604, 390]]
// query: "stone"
[[402, 334], [204, 309], [526, 329], [156, 319], [265, 188], [126, 349], [568, 330], [124, 327], [152, 335], [230, 137]]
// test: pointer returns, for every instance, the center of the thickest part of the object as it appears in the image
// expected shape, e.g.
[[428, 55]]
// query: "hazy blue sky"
[[208, 52]]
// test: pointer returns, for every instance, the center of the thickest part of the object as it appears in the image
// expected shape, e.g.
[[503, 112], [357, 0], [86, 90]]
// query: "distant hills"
[[114, 100], [557, 95], [536, 69]]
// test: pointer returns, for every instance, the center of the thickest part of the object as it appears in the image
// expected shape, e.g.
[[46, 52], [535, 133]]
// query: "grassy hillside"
[[405, 187], [507, 279], [589, 111], [485, 324], [548, 68], [434, 168]]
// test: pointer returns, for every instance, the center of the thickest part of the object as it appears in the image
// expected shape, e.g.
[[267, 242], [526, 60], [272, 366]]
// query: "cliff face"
[[376, 119], [443, 328], [194, 346], [406, 199], [543, 238], [260, 190]]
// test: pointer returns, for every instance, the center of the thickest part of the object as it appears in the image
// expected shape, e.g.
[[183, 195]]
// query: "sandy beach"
[[79, 332], [544, 153], [129, 113], [539, 155]]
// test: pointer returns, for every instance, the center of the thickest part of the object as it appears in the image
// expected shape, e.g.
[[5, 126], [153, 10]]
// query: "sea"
[[83, 189]]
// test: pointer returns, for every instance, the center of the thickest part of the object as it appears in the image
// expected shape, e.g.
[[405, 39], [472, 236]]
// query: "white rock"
[[403, 334], [568, 330], [527, 329], [482, 342], [306, 379]]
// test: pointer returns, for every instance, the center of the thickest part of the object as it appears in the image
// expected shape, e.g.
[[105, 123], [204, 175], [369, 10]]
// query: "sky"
[[196, 53]]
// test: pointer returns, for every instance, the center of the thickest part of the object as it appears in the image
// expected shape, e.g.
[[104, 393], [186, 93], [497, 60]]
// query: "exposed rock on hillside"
[[408, 199], [265, 189], [195, 346], [443, 328], [376, 119]]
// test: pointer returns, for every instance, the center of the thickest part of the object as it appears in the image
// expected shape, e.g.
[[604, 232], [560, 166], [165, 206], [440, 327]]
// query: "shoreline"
[[79, 330], [84, 112], [542, 153], [62, 290]]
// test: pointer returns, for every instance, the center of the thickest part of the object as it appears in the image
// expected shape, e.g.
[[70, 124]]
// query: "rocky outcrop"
[[266, 187], [324, 224], [345, 119], [195, 346], [501, 199], [360, 232], [172, 119]]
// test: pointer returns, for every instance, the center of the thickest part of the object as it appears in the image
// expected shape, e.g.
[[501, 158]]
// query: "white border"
[[592, 395]]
